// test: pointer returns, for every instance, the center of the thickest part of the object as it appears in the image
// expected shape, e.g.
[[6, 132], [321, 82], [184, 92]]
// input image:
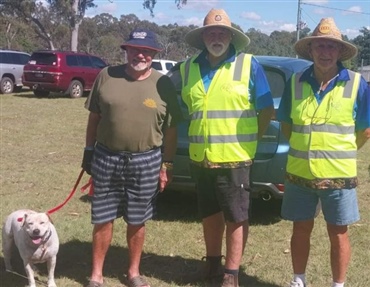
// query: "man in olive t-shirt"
[[133, 112]]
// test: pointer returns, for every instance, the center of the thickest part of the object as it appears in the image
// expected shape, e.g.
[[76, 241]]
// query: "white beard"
[[216, 49]]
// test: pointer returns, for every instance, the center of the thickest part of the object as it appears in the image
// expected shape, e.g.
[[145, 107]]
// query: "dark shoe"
[[94, 284], [210, 273], [230, 280]]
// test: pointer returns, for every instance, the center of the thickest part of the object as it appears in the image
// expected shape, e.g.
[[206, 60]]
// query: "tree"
[[33, 13], [73, 11], [363, 44], [149, 4]]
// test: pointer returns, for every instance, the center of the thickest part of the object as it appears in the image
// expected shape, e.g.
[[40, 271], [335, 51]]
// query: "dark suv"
[[71, 73], [11, 70], [268, 170]]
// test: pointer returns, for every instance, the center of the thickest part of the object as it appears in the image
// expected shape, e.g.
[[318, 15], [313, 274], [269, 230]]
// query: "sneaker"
[[296, 284], [230, 281]]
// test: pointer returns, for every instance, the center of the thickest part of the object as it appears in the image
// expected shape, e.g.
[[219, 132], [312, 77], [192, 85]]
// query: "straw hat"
[[217, 18], [326, 30]]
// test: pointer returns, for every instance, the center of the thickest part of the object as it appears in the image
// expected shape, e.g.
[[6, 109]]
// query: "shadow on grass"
[[180, 205], [29, 94], [74, 263]]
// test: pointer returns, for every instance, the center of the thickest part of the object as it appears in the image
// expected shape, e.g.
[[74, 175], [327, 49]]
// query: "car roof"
[[288, 64], [63, 52], [13, 51]]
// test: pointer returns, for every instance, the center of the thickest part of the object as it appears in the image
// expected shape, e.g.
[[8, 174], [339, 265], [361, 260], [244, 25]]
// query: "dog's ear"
[[23, 220]]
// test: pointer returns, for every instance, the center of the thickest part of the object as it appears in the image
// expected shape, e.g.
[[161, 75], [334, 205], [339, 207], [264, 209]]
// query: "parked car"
[[163, 66], [268, 170], [11, 70], [66, 72]]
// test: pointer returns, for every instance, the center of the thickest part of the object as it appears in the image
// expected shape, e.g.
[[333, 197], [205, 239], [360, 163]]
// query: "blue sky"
[[266, 16]]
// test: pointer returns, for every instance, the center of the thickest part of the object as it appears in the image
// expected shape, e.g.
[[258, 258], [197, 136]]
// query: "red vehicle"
[[66, 72]]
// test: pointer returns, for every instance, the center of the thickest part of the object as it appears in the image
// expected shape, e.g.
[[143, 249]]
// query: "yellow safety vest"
[[223, 121], [323, 139]]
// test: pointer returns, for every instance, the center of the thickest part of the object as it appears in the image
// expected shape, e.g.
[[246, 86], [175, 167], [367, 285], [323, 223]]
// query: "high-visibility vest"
[[223, 121], [323, 139]]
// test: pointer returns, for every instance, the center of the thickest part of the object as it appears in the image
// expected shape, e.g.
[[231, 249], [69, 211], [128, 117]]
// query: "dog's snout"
[[36, 232]]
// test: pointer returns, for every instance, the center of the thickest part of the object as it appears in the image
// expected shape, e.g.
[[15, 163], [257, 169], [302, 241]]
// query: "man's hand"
[[165, 175], [86, 161]]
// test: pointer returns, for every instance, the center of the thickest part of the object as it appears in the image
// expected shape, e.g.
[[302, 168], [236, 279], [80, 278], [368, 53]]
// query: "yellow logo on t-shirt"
[[150, 103]]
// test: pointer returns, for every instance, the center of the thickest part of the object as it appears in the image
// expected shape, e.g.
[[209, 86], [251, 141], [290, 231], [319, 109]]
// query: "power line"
[[349, 11]]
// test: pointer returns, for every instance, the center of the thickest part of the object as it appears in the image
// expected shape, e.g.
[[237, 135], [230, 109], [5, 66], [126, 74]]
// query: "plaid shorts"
[[125, 185]]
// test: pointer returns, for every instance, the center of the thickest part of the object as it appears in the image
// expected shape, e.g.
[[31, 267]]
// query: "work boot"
[[211, 273], [230, 280]]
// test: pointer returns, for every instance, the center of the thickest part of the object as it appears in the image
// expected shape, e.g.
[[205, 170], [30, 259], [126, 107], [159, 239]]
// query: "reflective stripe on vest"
[[323, 139], [223, 126]]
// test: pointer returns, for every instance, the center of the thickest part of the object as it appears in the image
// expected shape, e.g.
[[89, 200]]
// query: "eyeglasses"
[[311, 113]]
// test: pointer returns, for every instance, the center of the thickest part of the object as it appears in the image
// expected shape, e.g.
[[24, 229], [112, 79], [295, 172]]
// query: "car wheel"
[[75, 89], [41, 94], [7, 85]]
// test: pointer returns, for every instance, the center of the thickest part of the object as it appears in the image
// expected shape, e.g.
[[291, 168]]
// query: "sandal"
[[138, 281], [94, 284]]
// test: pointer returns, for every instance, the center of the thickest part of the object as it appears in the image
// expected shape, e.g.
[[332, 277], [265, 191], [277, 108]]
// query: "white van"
[[163, 66]]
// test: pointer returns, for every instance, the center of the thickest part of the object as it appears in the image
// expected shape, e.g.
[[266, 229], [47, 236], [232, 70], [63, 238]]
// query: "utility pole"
[[298, 21]]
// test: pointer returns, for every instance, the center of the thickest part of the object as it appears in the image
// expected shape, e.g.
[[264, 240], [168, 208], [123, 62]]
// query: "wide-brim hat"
[[326, 29], [217, 18], [142, 38]]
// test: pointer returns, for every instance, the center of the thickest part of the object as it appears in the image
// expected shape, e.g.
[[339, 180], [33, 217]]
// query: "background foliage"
[[27, 25]]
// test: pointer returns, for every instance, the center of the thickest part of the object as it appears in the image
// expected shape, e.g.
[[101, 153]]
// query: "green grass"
[[41, 148]]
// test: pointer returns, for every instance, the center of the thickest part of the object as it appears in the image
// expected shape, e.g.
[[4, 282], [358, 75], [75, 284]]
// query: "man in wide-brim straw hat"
[[230, 106], [325, 115]]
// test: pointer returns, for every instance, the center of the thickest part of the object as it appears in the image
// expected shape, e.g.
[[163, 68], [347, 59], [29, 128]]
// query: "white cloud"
[[353, 10], [251, 16]]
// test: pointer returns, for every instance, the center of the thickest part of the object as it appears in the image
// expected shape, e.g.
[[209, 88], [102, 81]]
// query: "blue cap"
[[142, 38]]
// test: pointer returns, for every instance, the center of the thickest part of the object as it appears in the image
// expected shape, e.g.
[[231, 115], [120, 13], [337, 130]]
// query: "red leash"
[[50, 211]]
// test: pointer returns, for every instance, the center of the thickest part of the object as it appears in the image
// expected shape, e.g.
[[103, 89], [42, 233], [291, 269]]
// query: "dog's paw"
[[51, 283]]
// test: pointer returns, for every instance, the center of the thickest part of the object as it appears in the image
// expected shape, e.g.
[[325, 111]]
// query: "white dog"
[[36, 239]]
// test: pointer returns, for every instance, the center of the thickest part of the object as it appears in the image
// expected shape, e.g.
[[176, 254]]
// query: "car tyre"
[[7, 85], [41, 94], [75, 89]]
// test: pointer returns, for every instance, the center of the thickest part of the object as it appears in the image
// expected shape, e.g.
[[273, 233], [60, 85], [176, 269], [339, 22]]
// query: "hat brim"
[[302, 48], [157, 49], [239, 39]]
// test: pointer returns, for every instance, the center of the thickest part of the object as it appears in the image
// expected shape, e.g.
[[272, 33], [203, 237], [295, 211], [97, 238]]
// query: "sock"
[[335, 284], [300, 278], [232, 271]]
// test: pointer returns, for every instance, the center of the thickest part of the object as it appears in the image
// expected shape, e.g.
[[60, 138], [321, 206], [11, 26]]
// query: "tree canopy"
[[27, 25]]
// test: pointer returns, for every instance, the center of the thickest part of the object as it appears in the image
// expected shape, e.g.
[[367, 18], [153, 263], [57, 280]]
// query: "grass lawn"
[[41, 147]]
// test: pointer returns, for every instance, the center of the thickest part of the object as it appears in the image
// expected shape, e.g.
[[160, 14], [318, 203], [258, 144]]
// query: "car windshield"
[[43, 59]]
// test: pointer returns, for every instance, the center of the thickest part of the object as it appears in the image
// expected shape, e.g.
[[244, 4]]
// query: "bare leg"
[[340, 251], [236, 238], [300, 245], [102, 237], [213, 230], [135, 242]]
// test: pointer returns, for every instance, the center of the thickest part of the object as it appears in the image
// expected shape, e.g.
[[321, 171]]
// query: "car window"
[[97, 62], [84, 61], [157, 65], [169, 66], [23, 59], [72, 60], [43, 59], [5, 58], [276, 81]]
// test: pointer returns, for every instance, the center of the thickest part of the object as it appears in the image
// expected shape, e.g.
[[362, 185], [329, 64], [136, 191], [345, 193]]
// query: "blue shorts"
[[339, 206], [125, 185]]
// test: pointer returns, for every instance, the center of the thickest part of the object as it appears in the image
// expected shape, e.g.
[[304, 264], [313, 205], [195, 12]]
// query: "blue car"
[[268, 170]]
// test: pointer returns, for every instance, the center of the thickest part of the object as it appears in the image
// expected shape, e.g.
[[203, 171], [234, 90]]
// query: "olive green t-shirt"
[[133, 113]]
